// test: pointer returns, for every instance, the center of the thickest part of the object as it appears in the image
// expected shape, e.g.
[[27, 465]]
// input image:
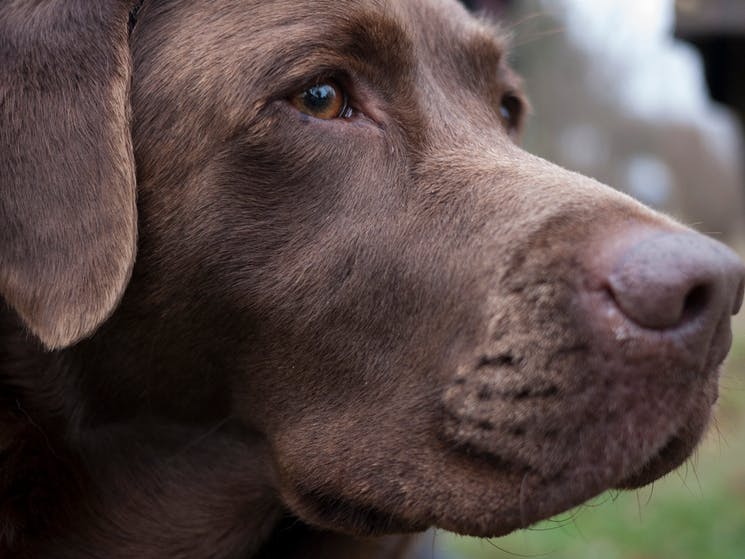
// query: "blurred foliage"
[[697, 512]]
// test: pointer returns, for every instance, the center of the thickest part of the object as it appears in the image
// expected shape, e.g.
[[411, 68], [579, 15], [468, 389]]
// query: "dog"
[[278, 281]]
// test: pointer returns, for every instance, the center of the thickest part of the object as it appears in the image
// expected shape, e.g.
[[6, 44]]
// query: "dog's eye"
[[325, 100], [511, 109]]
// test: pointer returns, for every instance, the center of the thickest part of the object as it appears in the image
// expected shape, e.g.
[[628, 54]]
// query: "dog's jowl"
[[276, 278]]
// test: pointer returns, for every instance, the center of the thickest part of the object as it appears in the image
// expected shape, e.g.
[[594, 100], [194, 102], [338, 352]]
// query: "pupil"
[[319, 97]]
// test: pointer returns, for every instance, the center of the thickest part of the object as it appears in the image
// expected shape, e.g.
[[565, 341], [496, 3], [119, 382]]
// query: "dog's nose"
[[668, 280]]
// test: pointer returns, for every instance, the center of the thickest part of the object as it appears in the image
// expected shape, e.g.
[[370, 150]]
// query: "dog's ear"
[[67, 185]]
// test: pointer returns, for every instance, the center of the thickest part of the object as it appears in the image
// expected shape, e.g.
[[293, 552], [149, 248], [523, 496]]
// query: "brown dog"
[[357, 307]]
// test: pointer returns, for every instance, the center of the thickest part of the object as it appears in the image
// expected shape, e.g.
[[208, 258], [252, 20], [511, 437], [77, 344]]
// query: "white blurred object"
[[644, 68], [649, 180], [585, 145]]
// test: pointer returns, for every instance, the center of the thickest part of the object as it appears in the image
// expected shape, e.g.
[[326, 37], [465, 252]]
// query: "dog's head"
[[342, 246]]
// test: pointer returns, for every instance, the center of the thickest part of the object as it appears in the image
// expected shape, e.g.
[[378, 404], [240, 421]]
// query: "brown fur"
[[334, 330], [76, 156]]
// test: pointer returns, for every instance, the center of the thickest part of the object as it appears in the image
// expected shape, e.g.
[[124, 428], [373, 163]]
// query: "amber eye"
[[324, 100]]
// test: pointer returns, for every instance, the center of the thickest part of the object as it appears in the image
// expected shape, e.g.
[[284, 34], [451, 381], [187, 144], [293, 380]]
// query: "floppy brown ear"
[[67, 186]]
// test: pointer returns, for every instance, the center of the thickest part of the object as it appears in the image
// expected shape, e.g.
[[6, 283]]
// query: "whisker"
[[523, 516], [513, 554], [534, 37], [528, 18], [651, 494]]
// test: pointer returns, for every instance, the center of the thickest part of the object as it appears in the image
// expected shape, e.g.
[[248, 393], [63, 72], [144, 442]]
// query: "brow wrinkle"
[[371, 43]]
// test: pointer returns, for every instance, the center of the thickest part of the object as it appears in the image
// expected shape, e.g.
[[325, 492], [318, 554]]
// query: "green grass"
[[697, 512]]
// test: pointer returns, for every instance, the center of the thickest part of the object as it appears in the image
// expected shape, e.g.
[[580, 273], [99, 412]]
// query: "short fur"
[[334, 330]]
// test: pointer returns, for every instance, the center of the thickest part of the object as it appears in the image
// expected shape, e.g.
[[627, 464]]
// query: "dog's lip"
[[673, 344], [577, 482], [674, 451], [559, 494], [672, 454]]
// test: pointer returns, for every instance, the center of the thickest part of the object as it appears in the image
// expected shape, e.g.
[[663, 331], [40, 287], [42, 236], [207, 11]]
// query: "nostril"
[[695, 302]]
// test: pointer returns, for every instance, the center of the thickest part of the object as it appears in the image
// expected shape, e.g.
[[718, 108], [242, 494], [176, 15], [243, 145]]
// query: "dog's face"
[[342, 245], [416, 322]]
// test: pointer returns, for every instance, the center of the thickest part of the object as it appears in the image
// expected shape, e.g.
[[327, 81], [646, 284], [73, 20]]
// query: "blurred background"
[[647, 96]]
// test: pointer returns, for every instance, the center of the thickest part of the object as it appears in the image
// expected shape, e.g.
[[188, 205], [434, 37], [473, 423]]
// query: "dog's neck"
[[50, 450], [294, 540]]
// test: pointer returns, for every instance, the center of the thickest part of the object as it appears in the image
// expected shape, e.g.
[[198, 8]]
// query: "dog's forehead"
[[426, 20], [245, 31], [226, 59]]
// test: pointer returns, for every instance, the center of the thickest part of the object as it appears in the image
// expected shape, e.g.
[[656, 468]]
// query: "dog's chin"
[[352, 516], [493, 497], [537, 497], [476, 470], [673, 454]]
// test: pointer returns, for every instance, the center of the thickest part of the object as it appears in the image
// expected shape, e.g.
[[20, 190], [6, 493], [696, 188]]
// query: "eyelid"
[[294, 84]]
